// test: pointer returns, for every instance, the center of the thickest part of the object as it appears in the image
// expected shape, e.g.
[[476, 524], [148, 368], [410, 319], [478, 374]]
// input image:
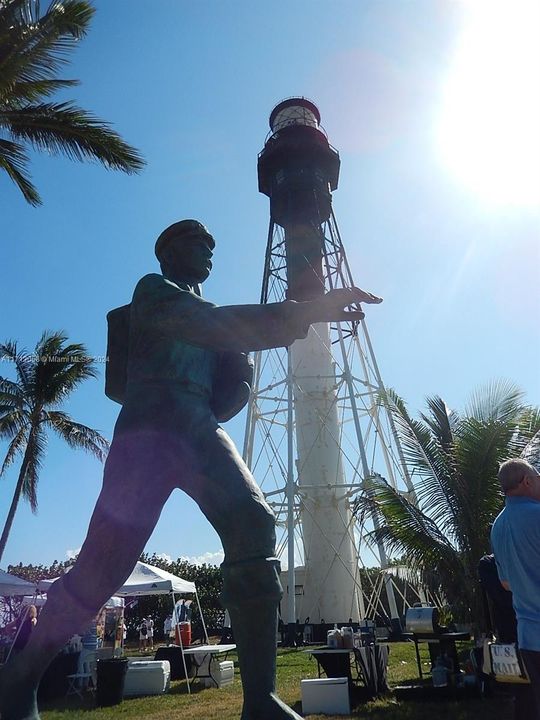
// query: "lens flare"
[[488, 133]]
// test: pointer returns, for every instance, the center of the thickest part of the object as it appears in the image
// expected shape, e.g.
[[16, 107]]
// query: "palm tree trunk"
[[16, 495]]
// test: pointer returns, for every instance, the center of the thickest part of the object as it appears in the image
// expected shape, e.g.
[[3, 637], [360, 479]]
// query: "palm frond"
[[51, 343], [14, 161], [529, 420], [31, 91], [488, 434], [439, 421], [405, 530], [13, 13], [480, 448], [432, 464], [62, 128], [69, 17], [499, 400], [77, 435], [11, 422], [417, 439], [526, 429], [11, 393], [16, 447], [60, 368], [531, 452], [36, 449], [24, 363], [34, 47]]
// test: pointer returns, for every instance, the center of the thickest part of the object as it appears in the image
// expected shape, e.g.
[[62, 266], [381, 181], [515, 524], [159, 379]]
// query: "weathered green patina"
[[179, 364]]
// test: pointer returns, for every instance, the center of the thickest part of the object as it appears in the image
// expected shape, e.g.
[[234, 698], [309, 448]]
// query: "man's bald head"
[[514, 476]]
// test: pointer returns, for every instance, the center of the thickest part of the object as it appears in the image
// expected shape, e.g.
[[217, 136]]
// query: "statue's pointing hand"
[[332, 306], [367, 297]]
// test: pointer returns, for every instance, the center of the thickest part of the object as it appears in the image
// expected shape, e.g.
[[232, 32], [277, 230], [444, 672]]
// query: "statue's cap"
[[182, 231]]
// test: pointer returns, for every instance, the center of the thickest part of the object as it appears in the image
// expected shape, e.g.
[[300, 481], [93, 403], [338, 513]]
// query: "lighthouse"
[[317, 428]]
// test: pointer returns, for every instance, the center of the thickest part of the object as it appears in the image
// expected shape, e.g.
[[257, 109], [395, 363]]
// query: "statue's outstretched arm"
[[246, 327]]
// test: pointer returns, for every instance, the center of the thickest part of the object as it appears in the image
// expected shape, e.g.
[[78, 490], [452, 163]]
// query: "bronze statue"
[[186, 366]]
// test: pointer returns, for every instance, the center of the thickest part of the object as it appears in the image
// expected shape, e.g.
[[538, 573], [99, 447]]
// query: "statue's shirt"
[[157, 354], [176, 335]]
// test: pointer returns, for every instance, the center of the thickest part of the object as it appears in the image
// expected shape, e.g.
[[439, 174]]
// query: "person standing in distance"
[[143, 635], [150, 625]]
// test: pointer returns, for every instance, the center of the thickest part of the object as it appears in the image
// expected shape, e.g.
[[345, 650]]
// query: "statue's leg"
[[116, 537], [228, 495], [251, 593]]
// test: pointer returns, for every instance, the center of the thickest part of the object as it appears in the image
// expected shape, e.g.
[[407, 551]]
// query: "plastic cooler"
[[328, 696], [147, 677], [220, 673]]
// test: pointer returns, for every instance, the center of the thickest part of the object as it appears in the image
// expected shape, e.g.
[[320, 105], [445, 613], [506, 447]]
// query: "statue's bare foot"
[[270, 708], [18, 697]]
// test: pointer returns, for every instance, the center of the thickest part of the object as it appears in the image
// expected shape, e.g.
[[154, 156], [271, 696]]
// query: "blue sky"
[[434, 108]]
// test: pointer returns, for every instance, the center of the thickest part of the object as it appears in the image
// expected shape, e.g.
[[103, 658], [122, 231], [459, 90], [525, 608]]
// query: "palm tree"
[[30, 406], [33, 48], [532, 452], [454, 458]]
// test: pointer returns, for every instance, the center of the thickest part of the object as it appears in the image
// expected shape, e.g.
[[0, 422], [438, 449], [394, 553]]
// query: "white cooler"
[[147, 677], [221, 674], [325, 695]]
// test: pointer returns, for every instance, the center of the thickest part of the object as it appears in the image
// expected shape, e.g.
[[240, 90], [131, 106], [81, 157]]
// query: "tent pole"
[[202, 618], [179, 634], [22, 618]]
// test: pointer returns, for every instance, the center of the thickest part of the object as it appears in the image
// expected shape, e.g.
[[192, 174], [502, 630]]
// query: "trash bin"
[[111, 674]]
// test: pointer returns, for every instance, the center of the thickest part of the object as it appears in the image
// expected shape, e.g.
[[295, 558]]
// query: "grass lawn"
[[292, 666]]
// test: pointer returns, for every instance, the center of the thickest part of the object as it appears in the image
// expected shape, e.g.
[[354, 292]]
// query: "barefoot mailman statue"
[[179, 364]]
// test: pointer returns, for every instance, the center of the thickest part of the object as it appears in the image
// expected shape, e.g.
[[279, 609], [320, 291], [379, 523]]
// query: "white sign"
[[504, 660]]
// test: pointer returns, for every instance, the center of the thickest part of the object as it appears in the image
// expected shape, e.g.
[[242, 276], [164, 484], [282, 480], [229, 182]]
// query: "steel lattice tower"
[[317, 423]]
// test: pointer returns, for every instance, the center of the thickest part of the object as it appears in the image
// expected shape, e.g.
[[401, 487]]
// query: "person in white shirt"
[[143, 635]]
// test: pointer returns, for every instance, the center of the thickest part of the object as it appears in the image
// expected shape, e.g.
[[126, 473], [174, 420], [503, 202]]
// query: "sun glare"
[[489, 129]]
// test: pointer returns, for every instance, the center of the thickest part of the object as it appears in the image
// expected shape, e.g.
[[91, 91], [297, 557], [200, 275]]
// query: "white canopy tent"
[[44, 585], [149, 580], [144, 580], [113, 602], [11, 585]]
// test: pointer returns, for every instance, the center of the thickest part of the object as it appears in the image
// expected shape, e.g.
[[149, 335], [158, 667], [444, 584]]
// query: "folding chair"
[[85, 677]]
